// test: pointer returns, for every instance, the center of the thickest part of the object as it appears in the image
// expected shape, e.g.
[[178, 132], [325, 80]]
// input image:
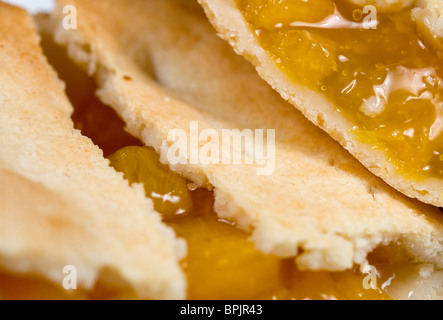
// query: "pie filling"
[[382, 72], [221, 262]]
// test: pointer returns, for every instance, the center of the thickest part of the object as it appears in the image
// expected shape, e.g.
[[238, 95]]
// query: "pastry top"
[[320, 205], [430, 14], [62, 204]]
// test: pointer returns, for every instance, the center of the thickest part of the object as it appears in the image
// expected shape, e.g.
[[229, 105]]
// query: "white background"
[[34, 6]]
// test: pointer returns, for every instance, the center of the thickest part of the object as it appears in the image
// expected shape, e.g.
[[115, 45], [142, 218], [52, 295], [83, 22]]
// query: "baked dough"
[[159, 64], [430, 14], [61, 204]]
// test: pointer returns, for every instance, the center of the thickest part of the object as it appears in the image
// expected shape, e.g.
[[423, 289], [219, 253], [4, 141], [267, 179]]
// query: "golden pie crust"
[[61, 204], [430, 14]]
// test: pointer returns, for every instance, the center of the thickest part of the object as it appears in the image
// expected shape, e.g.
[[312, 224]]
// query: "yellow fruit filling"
[[380, 70], [168, 190]]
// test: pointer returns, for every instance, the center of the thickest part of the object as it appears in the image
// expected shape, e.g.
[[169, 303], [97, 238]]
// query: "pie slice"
[[62, 205], [370, 76], [159, 65]]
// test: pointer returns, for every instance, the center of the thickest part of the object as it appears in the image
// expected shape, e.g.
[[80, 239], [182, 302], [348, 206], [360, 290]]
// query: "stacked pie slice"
[[370, 76]]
